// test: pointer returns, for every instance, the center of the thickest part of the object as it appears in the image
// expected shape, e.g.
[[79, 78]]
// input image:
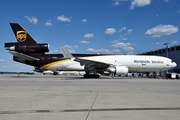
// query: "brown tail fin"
[[21, 35]]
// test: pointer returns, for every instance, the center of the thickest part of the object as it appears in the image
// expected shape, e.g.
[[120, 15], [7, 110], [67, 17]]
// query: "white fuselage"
[[135, 63]]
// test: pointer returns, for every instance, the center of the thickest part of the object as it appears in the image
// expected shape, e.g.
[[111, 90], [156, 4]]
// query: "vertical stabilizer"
[[21, 35]]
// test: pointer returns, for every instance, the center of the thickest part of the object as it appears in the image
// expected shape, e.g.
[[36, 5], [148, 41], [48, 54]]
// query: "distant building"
[[173, 53]]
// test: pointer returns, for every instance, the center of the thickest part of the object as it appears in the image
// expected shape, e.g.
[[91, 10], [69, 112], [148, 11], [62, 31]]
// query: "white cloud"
[[124, 46], [139, 3], [120, 44], [117, 2], [116, 51], [122, 38], [84, 42], [62, 18], [129, 31], [32, 19], [174, 42], [48, 23], [110, 31], [126, 32], [166, 0], [56, 51], [84, 20], [89, 35], [128, 48], [102, 50], [122, 29], [161, 30], [157, 43], [178, 11], [70, 46], [1, 60]]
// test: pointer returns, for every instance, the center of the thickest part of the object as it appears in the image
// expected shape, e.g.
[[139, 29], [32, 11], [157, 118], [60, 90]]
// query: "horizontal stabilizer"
[[66, 53], [23, 57]]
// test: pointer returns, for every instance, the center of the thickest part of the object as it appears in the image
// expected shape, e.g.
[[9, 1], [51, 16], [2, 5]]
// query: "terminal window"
[[172, 49], [178, 48], [163, 51]]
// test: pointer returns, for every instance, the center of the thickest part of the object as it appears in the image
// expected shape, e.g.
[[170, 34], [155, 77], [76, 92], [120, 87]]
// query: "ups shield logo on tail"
[[21, 36]]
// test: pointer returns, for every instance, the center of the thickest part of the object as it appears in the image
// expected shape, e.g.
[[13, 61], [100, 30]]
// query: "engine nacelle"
[[30, 48], [119, 70]]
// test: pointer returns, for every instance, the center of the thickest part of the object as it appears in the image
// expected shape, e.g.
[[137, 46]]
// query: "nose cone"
[[174, 64]]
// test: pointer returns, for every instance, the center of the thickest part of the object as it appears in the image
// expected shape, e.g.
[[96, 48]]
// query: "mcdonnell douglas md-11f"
[[29, 52]]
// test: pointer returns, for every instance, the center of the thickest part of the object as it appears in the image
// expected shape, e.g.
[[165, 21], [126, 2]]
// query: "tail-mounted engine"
[[35, 48], [118, 70]]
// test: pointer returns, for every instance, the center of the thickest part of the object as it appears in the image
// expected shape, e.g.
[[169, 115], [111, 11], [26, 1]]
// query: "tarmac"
[[48, 97]]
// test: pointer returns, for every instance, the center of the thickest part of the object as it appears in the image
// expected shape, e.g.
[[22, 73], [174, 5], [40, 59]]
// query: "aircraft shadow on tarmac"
[[65, 77]]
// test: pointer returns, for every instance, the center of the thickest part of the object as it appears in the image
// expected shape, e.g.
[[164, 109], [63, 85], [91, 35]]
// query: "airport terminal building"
[[170, 52]]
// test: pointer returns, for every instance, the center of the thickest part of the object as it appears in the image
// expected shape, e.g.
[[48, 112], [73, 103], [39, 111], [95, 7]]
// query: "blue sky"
[[91, 26]]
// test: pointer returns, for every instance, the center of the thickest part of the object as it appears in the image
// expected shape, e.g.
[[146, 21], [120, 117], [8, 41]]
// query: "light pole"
[[166, 50]]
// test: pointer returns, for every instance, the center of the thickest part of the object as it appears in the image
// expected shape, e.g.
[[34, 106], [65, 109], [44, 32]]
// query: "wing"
[[90, 64], [66, 53], [22, 57]]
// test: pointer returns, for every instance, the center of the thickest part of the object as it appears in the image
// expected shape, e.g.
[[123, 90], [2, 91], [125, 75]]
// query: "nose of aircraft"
[[174, 64]]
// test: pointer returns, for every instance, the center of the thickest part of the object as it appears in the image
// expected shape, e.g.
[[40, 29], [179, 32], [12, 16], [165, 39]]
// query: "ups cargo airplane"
[[28, 51]]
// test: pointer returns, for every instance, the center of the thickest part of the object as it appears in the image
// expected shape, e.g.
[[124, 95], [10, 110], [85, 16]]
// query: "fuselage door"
[[167, 63]]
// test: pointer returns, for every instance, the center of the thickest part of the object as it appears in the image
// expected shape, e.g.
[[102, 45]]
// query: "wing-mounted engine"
[[27, 48], [118, 70]]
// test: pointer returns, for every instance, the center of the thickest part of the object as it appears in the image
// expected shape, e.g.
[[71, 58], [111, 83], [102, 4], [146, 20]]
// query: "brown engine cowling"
[[39, 48]]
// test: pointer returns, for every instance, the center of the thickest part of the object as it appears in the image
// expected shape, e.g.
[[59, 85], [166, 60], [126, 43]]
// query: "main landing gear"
[[91, 75]]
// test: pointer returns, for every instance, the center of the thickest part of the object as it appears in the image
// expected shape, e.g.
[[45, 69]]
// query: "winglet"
[[66, 53]]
